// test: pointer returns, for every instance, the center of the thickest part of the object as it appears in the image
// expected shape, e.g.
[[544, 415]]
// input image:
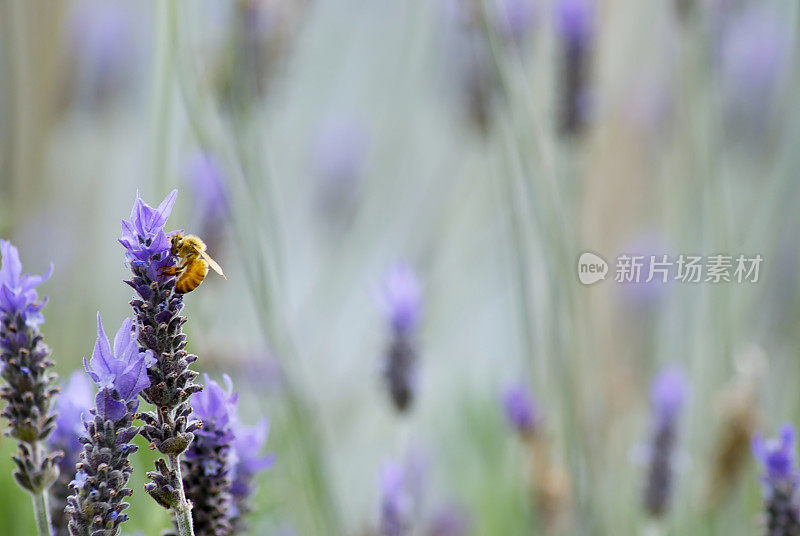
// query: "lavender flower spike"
[[667, 396], [30, 386], [207, 467], [248, 442], [780, 481], [575, 26], [401, 299], [157, 308], [96, 504], [76, 401]]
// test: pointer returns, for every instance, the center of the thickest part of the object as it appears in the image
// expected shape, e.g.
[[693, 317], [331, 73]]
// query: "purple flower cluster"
[[668, 394], [221, 462], [76, 400], [207, 465], [780, 481], [401, 300], [204, 175], [29, 386], [96, 505]]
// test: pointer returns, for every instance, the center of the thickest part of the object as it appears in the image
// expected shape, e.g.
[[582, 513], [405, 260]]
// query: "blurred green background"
[[348, 134]]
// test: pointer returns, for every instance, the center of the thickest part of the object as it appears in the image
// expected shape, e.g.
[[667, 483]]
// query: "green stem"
[[41, 511], [183, 512]]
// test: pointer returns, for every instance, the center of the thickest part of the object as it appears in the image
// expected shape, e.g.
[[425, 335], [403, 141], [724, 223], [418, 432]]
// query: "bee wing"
[[212, 263]]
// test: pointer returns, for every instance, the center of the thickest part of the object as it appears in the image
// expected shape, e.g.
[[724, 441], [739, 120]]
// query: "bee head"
[[177, 242]]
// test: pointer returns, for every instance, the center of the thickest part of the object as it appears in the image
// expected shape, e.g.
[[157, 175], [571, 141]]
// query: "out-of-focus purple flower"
[[755, 56], [647, 250], [203, 174], [515, 18], [520, 409], [76, 400], [248, 461], [341, 149], [668, 393], [575, 21], [396, 504], [575, 27], [146, 244], [120, 374], [17, 290], [339, 156], [449, 520], [780, 481], [401, 298], [778, 458], [102, 34]]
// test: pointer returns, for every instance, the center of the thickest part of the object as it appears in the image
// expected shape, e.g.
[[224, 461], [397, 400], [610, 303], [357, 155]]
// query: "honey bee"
[[194, 263]]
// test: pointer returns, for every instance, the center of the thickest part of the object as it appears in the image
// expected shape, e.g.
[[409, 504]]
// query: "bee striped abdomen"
[[192, 276]]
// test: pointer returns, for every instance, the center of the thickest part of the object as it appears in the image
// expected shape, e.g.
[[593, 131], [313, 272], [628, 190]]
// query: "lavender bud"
[[96, 504], [520, 410], [203, 174], [402, 304], [159, 326], [208, 464], [30, 386], [248, 442], [75, 401], [667, 396], [575, 27], [395, 502], [780, 482]]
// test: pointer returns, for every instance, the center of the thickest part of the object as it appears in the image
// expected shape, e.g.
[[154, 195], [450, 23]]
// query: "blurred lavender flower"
[[247, 445], [76, 400], [208, 465], [339, 155], [159, 325], [449, 520], [754, 57], [102, 36], [780, 482], [520, 410], [401, 300], [96, 504], [396, 504], [203, 173], [668, 394], [575, 28], [29, 389]]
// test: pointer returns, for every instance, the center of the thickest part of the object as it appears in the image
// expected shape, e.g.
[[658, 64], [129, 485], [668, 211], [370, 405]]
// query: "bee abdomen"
[[192, 276]]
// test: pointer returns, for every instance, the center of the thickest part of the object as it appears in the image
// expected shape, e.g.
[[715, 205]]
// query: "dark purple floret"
[[208, 464], [96, 504], [520, 409], [29, 385], [75, 401], [667, 395], [780, 482], [159, 324]]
